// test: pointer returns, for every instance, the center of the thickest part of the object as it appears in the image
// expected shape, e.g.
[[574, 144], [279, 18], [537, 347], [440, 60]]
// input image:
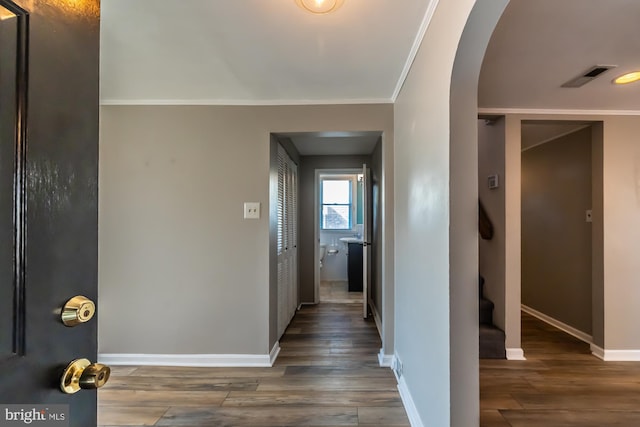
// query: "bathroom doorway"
[[339, 227]]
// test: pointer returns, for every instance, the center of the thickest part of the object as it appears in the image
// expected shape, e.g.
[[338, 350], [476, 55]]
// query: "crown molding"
[[243, 103], [426, 20], [555, 112]]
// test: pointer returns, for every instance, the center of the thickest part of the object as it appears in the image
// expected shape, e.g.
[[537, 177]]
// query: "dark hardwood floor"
[[327, 374], [559, 385]]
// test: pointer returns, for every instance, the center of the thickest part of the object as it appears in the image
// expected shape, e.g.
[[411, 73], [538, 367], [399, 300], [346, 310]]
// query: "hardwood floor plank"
[[333, 371], [492, 418], [382, 416], [593, 401], [114, 397], [566, 418], [501, 400], [190, 372], [327, 384], [296, 398], [260, 416], [130, 415], [182, 384]]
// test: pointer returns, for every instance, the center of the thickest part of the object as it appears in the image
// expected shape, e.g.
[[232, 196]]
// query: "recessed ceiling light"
[[319, 6], [631, 77]]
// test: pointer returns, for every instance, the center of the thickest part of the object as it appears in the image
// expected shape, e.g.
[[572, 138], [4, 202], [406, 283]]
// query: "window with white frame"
[[336, 195]]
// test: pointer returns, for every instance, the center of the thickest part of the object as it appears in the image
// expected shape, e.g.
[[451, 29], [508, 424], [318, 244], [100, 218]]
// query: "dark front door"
[[48, 204]]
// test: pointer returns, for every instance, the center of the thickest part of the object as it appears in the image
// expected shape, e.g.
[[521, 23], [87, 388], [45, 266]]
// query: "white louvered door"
[[287, 243]]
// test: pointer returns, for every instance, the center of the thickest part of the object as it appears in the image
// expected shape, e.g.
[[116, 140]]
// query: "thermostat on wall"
[[493, 181]]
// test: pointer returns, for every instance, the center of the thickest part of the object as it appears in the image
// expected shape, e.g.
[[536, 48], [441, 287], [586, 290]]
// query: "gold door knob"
[[78, 309], [82, 374]]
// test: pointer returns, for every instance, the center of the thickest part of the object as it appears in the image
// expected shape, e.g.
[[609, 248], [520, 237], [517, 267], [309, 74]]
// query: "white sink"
[[351, 239]]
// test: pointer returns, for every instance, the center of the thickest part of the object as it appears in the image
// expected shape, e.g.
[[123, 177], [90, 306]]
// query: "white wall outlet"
[[252, 210], [588, 215]]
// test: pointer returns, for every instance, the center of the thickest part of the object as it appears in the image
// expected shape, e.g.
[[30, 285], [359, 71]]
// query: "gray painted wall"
[[491, 160], [556, 239], [308, 166], [173, 242], [435, 189]]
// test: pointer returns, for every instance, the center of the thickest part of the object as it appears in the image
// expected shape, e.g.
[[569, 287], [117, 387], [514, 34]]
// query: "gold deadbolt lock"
[[78, 310], [82, 374]]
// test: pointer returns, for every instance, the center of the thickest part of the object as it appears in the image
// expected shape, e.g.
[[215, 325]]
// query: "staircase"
[[491, 338]]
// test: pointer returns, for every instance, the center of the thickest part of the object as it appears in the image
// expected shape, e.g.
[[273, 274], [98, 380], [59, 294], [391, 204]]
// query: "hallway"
[[327, 373]]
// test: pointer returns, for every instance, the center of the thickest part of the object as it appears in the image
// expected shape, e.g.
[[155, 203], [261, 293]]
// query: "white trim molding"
[[498, 111], [615, 355], [242, 102], [424, 25], [192, 360], [409, 405], [275, 351], [515, 354], [582, 336], [385, 360], [597, 351], [376, 319]]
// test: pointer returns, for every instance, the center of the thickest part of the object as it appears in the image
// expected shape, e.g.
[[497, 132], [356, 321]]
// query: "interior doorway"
[[339, 227], [557, 218], [342, 153]]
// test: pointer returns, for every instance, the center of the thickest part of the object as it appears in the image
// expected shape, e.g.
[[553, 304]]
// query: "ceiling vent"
[[587, 76]]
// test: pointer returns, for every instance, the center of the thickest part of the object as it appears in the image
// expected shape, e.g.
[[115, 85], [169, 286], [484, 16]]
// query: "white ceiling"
[[272, 52], [263, 52], [538, 45], [254, 51]]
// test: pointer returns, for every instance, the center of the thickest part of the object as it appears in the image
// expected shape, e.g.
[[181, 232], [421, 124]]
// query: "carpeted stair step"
[[486, 311], [492, 343]]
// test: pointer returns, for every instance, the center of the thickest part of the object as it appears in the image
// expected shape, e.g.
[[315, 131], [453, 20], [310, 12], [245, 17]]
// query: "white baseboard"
[[385, 360], [376, 318], [582, 336], [615, 355], [597, 351], [275, 351], [193, 360], [515, 354], [409, 405], [394, 367]]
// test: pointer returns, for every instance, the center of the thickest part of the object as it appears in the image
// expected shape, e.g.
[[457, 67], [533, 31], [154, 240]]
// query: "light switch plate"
[[252, 210], [493, 181]]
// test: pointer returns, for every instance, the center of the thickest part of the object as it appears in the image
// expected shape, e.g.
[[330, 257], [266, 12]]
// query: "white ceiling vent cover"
[[587, 76]]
